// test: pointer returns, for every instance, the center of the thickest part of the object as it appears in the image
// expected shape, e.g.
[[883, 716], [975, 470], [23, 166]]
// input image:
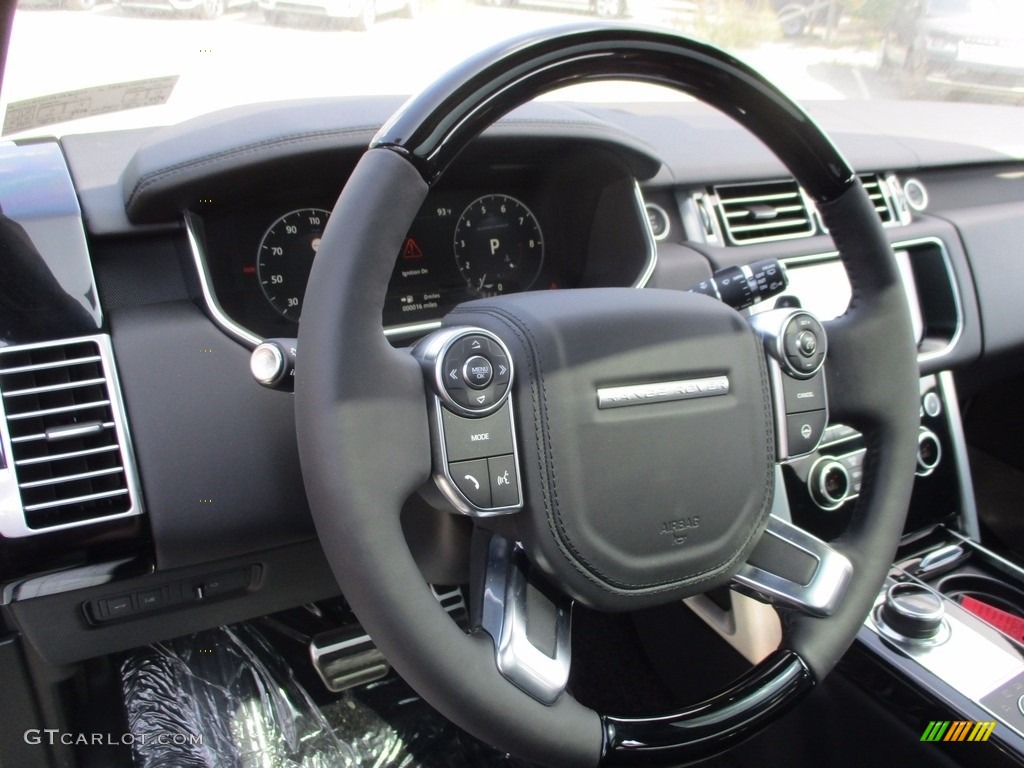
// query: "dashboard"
[[175, 251]]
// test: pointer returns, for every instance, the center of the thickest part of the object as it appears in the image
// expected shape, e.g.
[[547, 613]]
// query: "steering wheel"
[[593, 423]]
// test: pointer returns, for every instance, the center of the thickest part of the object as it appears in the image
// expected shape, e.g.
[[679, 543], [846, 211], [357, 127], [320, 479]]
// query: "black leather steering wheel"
[[374, 423]]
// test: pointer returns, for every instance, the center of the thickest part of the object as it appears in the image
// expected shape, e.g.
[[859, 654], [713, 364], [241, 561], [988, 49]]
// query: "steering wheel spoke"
[[529, 625]]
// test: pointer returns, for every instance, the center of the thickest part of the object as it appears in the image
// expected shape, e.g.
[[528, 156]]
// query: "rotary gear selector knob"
[[912, 612]]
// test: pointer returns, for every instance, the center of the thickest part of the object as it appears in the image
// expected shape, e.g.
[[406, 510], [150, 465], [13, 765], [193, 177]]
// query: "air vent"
[[878, 192], [760, 212], [64, 438]]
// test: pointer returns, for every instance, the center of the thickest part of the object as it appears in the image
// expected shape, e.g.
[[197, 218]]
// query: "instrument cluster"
[[523, 229]]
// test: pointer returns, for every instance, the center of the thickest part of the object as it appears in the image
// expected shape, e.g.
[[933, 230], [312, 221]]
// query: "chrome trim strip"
[[821, 595], [968, 506], [662, 392], [229, 326], [12, 514], [652, 247], [411, 329], [504, 618]]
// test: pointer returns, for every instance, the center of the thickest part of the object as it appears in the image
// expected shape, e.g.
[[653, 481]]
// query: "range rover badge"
[[662, 391]]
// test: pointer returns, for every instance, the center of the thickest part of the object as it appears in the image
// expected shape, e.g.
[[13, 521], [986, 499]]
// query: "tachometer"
[[499, 247], [285, 257]]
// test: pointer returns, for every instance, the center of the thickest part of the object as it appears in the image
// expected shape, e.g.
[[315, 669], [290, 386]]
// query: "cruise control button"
[[471, 477], [504, 481], [466, 438], [807, 343], [477, 372], [803, 364], [804, 394], [804, 430]]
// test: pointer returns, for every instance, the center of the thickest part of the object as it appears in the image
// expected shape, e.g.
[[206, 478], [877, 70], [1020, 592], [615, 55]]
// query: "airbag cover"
[[643, 504]]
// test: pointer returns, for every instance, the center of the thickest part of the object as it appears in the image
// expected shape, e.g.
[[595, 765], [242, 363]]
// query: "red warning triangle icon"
[[411, 249]]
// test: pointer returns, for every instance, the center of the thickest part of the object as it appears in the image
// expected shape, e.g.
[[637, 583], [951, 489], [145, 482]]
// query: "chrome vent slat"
[[768, 225], [76, 500], [778, 209], [53, 387], [65, 456], [757, 198], [51, 365], [72, 478], [44, 436], [55, 411], [62, 427]]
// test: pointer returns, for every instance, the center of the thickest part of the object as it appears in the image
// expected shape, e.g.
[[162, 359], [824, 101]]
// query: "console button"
[[471, 477], [119, 606], [804, 430], [232, 581], [804, 394], [150, 598], [504, 481], [466, 438]]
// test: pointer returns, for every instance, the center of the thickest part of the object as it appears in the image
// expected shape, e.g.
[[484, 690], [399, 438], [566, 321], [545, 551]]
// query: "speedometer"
[[499, 247], [285, 257]]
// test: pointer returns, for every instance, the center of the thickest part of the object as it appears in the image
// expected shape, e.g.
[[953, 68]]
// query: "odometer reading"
[[499, 247], [285, 257]]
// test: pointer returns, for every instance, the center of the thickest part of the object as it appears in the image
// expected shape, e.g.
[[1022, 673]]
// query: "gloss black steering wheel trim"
[[431, 129], [365, 445]]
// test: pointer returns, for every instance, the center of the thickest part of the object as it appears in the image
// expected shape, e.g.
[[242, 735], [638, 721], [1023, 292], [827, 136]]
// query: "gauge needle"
[[482, 281]]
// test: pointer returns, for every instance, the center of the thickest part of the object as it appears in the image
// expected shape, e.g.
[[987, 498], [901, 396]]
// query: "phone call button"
[[471, 477]]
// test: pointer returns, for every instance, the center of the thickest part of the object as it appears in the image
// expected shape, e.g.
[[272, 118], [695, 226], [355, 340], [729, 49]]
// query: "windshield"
[[85, 65]]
